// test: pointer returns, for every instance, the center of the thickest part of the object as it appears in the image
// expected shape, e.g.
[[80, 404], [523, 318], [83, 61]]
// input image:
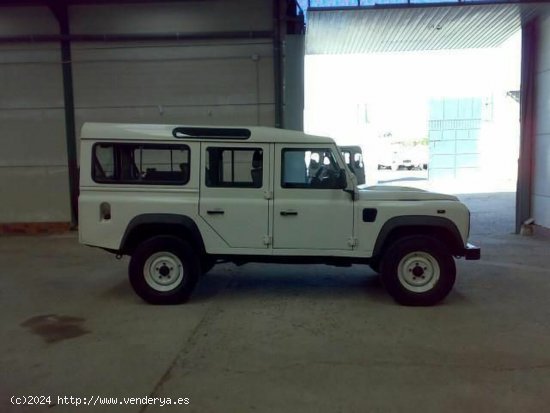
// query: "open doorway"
[[445, 120]]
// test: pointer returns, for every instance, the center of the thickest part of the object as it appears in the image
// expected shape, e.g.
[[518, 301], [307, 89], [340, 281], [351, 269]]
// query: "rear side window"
[[104, 165], [234, 167], [140, 164]]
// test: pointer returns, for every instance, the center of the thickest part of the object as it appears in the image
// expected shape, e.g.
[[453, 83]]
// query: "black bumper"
[[471, 252]]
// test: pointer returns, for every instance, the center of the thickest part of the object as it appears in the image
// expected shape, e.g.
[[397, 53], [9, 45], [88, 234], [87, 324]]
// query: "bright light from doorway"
[[454, 111]]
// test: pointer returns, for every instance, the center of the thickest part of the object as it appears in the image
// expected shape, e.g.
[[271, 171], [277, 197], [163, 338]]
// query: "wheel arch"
[[145, 226], [398, 227]]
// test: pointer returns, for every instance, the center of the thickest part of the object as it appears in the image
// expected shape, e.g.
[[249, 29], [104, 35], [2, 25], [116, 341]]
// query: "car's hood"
[[400, 193]]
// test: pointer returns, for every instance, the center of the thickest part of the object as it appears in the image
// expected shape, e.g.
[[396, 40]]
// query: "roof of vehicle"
[[177, 133], [355, 148]]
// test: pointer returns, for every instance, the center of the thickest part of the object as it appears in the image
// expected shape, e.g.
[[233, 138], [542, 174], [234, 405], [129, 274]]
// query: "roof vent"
[[183, 132]]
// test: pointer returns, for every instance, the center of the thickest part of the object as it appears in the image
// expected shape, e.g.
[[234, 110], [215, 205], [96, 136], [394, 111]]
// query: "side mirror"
[[341, 180]]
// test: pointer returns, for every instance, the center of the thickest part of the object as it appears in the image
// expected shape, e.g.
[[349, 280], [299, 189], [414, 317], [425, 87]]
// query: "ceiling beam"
[[48, 3]]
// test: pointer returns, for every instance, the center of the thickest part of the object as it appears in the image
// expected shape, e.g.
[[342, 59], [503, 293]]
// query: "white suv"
[[179, 199]]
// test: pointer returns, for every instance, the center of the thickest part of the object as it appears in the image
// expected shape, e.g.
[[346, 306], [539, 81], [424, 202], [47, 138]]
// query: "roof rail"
[[198, 132]]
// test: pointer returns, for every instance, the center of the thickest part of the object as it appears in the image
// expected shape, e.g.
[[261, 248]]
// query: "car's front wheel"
[[418, 270], [164, 270]]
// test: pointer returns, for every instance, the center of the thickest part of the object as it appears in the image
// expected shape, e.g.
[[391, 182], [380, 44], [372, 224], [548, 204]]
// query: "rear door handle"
[[288, 213], [215, 212]]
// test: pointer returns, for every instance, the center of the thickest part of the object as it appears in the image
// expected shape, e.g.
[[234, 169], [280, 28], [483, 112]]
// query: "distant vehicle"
[[408, 164], [389, 161], [353, 156], [413, 159]]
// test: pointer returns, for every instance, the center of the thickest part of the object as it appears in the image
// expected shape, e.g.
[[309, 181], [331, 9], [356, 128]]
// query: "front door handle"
[[288, 213], [215, 212]]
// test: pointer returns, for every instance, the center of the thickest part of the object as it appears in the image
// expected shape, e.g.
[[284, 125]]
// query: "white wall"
[[200, 82], [541, 184]]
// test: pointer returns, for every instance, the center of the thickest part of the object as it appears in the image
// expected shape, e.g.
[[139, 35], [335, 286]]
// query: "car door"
[[311, 212], [235, 192]]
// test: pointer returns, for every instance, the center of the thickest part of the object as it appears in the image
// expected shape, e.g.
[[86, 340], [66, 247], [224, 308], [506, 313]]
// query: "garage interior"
[[256, 337]]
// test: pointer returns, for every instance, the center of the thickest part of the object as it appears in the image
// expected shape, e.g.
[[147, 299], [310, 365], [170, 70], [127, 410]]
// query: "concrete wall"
[[200, 82], [541, 184]]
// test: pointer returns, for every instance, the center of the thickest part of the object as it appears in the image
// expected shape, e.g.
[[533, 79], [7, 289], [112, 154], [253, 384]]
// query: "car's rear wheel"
[[164, 270], [418, 270]]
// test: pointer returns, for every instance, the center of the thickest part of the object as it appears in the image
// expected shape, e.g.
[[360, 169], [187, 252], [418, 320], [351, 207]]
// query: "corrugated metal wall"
[[220, 81], [454, 128], [398, 29], [33, 164]]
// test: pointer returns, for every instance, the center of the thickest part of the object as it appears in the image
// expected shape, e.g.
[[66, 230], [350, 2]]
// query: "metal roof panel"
[[370, 30]]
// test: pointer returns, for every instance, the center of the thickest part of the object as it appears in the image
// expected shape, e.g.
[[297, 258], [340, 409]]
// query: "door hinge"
[[352, 241], [268, 240], [268, 194]]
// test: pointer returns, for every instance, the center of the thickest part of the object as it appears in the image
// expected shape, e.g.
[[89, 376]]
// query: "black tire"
[[409, 269], [164, 270]]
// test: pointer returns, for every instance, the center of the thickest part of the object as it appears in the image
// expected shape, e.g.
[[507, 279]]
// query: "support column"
[[529, 51], [278, 76], [62, 15], [294, 82]]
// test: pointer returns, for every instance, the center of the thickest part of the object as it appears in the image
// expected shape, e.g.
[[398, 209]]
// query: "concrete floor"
[[273, 338]]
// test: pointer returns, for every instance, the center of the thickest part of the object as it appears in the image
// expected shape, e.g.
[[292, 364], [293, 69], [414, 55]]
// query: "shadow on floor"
[[277, 280]]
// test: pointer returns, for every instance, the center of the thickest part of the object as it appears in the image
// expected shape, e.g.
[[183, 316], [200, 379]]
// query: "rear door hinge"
[[268, 194], [268, 240], [352, 242]]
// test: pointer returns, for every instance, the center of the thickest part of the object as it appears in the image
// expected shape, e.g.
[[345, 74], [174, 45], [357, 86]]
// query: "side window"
[[141, 164], [156, 164], [347, 157], [104, 162], [309, 168], [358, 160], [353, 160], [234, 167]]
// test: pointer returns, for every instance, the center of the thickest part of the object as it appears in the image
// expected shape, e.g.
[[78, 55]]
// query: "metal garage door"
[[454, 130]]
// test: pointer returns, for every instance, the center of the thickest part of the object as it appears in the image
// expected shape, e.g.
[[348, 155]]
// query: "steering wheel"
[[324, 177]]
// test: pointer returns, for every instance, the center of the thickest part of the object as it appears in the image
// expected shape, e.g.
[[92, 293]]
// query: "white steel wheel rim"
[[163, 271], [418, 271]]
